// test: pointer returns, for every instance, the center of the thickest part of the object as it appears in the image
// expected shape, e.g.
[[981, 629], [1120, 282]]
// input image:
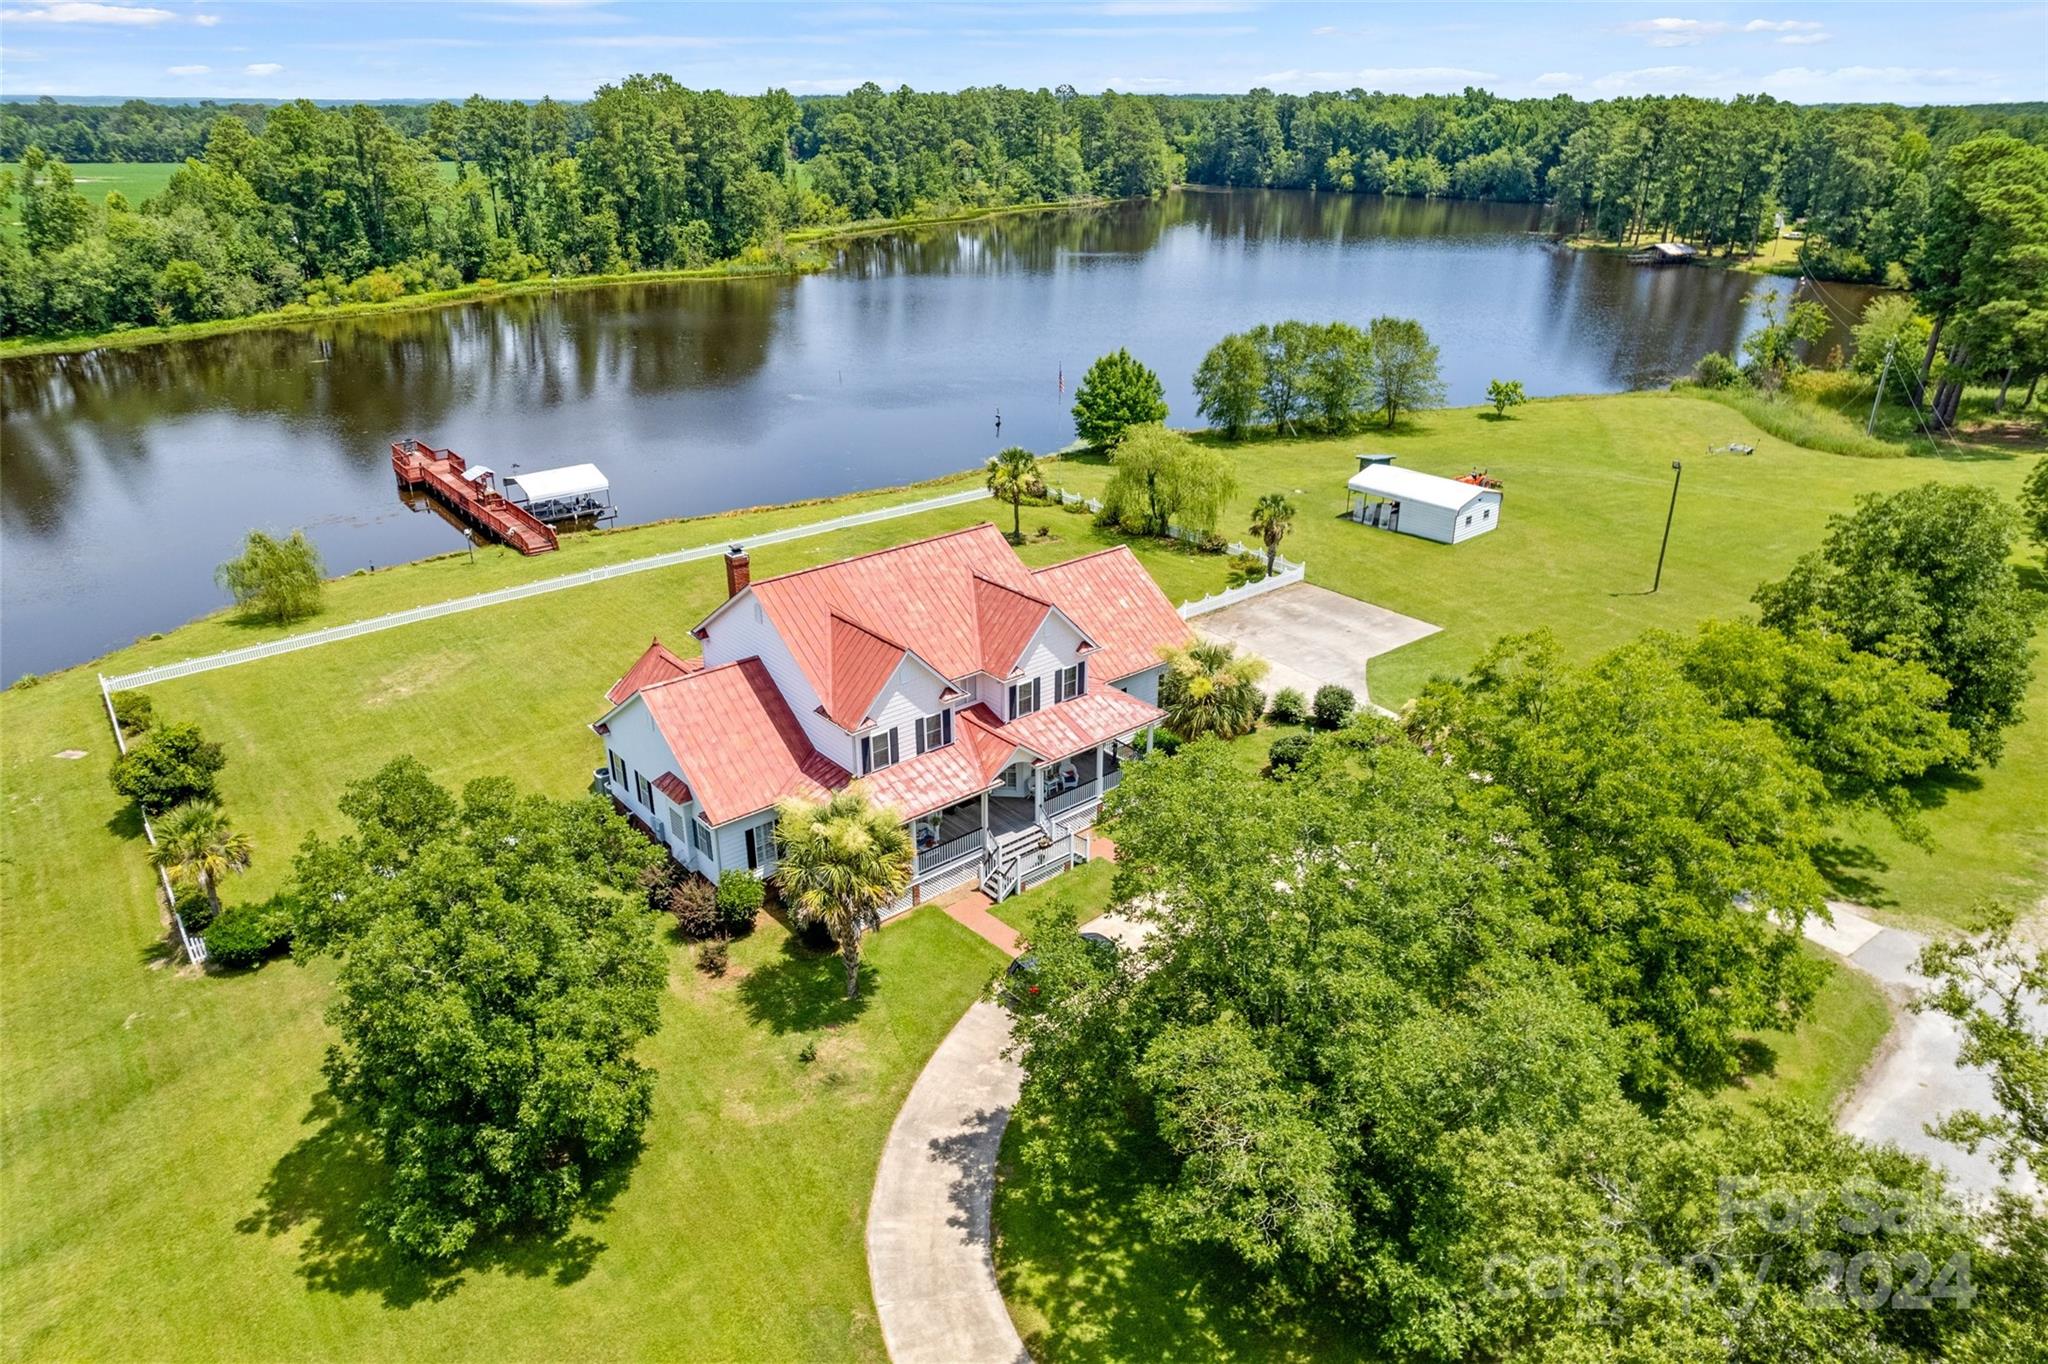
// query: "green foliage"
[[240, 936], [693, 902], [1924, 575], [168, 766], [738, 899], [1715, 370], [1998, 990], [496, 977], [1272, 517], [1868, 724], [134, 712], [713, 957], [1013, 475], [1161, 481], [1333, 706], [843, 860], [1116, 394], [280, 580], [1405, 375], [1890, 324], [196, 846], [2034, 503], [1288, 707], [1773, 348], [1656, 811], [1504, 394], [1229, 383], [1209, 688], [1288, 752]]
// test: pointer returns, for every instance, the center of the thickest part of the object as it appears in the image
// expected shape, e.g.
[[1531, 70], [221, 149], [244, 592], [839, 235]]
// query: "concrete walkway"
[[1914, 1079], [929, 1260]]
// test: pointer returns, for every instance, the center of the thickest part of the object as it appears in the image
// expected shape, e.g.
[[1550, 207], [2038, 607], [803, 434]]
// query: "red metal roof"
[[1111, 596], [859, 664], [671, 785], [1099, 715], [927, 597], [657, 664], [929, 781], [730, 729]]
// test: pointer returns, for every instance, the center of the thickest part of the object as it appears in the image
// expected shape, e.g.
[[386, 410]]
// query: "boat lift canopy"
[[572, 490]]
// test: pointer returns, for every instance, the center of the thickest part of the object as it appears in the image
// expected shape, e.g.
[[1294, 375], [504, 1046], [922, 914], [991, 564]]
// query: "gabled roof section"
[[657, 664], [858, 663], [925, 597], [1114, 601], [1005, 620], [1100, 714], [1412, 485], [735, 736], [671, 785]]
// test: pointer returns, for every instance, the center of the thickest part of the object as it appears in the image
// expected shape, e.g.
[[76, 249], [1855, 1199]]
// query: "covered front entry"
[[1056, 790]]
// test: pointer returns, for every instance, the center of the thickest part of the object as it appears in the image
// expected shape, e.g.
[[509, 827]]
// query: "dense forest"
[[304, 205]]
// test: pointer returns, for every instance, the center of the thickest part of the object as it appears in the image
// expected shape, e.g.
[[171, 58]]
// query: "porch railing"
[[1067, 800], [952, 850]]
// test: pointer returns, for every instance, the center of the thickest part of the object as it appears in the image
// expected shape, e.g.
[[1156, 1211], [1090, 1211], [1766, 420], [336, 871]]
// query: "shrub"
[[24, 682], [133, 711], [1166, 742], [714, 956], [1288, 707], [657, 881], [739, 898], [193, 906], [694, 904], [245, 934], [1715, 370], [1288, 753], [171, 765], [1244, 569], [1333, 706]]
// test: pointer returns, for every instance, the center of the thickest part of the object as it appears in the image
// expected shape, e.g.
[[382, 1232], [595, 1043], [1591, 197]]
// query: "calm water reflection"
[[126, 475]]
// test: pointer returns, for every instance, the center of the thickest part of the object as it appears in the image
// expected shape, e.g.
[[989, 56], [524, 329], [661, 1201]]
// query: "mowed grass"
[[1820, 1061], [133, 180], [1587, 483]]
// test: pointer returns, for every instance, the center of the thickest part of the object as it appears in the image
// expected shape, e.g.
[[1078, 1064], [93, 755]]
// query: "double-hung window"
[[1023, 698], [764, 849], [618, 768], [935, 731], [700, 837], [643, 791], [1069, 683], [878, 750]]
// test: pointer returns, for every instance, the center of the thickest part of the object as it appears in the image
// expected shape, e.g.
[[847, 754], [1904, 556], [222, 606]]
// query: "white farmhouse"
[[989, 704], [1415, 503]]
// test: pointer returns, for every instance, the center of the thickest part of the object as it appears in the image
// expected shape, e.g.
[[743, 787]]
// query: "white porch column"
[[1148, 737], [986, 832], [1100, 751], [1038, 795]]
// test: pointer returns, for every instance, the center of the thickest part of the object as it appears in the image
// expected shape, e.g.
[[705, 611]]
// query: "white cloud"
[[1674, 32], [1557, 80], [195, 70], [1803, 39], [1782, 26], [1657, 79], [1127, 8], [263, 68], [87, 12], [206, 20], [1880, 84], [1381, 77]]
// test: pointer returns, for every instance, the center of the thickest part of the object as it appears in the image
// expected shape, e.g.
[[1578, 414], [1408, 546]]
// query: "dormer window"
[[935, 731], [1069, 683], [1023, 698], [878, 751]]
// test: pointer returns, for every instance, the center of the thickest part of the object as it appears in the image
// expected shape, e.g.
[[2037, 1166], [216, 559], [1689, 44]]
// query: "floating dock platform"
[[470, 497]]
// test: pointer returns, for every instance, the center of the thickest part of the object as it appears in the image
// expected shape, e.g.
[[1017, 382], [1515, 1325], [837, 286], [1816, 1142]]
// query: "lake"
[[127, 475]]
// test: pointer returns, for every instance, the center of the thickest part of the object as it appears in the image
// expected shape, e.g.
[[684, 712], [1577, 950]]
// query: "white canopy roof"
[[1412, 485], [551, 485]]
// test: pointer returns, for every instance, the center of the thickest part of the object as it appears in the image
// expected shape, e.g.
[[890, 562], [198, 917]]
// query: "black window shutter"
[[946, 726], [753, 854]]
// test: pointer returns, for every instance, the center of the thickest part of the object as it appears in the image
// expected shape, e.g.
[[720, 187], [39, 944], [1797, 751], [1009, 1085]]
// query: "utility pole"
[[1677, 471], [1878, 396]]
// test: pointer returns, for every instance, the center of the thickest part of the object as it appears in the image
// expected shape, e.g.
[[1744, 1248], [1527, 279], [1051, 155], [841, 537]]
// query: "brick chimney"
[[737, 571]]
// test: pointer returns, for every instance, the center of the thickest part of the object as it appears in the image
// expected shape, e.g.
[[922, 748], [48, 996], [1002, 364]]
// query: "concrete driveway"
[[1312, 636], [1914, 1079]]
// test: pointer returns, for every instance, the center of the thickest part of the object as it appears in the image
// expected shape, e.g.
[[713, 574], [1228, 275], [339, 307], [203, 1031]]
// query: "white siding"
[[1051, 649], [737, 634], [635, 738], [1484, 512], [1144, 685], [907, 697]]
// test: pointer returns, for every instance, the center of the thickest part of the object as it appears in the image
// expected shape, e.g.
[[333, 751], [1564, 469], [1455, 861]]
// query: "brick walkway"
[[971, 908]]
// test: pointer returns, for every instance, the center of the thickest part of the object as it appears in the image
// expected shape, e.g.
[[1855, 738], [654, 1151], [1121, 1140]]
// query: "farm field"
[[135, 180]]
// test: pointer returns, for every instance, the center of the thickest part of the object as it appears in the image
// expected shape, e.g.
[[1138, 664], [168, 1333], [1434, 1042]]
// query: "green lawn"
[[1821, 1060], [1587, 482], [135, 180], [1080, 894]]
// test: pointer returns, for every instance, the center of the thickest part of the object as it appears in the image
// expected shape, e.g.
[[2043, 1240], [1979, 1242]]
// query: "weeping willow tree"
[[1163, 481], [277, 580]]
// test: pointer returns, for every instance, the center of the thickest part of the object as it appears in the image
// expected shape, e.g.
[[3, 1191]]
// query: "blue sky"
[[1911, 53]]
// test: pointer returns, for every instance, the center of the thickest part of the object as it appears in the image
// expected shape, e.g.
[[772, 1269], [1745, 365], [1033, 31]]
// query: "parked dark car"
[[1020, 988]]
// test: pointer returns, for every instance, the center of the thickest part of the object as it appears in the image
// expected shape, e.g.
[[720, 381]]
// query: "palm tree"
[[1272, 518], [195, 845], [1014, 475], [1211, 688], [842, 860]]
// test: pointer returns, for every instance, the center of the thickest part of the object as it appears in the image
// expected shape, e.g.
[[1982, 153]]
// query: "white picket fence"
[[195, 948], [313, 638]]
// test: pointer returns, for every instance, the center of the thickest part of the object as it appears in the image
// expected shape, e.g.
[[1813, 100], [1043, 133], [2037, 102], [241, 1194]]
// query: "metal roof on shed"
[[548, 485], [1412, 485]]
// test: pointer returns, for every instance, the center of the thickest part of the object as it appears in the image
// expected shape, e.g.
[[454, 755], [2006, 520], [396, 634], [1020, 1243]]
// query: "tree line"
[[303, 203]]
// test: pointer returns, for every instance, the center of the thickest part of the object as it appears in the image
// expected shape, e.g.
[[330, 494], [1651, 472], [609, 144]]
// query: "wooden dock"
[[441, 473]]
